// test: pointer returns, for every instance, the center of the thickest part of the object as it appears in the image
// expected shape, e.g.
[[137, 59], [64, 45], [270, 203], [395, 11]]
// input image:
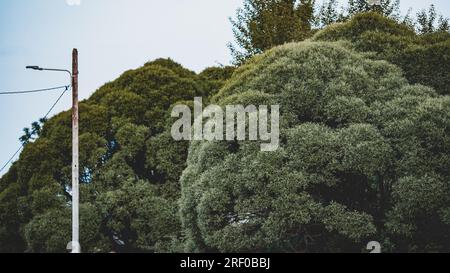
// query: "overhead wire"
[[34, 91], [66, 88]]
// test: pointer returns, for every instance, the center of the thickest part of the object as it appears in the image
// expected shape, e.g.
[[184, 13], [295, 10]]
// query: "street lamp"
[[75, 243], [35, 67]]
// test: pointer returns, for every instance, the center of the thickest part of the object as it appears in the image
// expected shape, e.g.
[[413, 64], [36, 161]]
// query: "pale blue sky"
[[112, 36]]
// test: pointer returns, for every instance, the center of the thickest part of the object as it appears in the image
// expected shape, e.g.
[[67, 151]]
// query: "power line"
[[33, 91], [56, 102], [45, 117], [11, 159]]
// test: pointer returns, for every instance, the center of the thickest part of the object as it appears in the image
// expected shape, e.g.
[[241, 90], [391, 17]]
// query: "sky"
[[112, 36]]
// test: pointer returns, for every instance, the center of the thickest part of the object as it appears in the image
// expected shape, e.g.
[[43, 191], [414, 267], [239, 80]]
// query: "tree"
[[118, 123], [354, 133], [263, 24], [50, 232], [443, 24], [429, 21], [12, 214], [27, 136], [389, 8], [329, 13], [424, 58], [357, 6], [408, 20], [138, 218], [35, 131]]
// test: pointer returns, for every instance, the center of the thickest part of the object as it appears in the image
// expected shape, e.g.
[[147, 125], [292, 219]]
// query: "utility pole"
[[75, 167], [74, 245]]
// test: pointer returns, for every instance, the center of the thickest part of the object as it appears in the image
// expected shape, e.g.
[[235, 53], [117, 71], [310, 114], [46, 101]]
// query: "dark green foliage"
[[364, 153], [362, 157], [263, 24], [35, 131], [329, 13], [429, 21], [11, 217], [50, 232], [425, 59], [129, 167], [420, 215], [362, 23], [388, 8], [139, 217]]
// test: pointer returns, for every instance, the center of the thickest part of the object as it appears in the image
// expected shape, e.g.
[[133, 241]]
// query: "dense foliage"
[[263, 24], [129, 167], [364, 152], [364, 156], [425, 59]]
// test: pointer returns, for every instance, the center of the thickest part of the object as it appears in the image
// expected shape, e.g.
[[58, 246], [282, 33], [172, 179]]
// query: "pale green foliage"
[[352, 131]]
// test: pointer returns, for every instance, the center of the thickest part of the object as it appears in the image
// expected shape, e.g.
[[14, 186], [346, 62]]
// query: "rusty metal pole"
[[75, 167]]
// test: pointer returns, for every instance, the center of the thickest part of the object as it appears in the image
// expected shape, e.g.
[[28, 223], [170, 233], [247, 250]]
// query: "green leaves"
[[50, 232], [261, 25], [351, 224], [137, 216], [352, 131], [423, 58], [129, 167], [364, 155]]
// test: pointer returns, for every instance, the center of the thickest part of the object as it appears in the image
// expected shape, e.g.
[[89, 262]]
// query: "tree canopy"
[[425, 59], [364, 148], [129, 167], [262, 24], [364, 155]]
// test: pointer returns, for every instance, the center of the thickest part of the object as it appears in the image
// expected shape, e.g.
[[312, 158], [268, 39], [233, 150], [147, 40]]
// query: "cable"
[[33, 91], [11, 159], [46, 116], [56, 102]]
